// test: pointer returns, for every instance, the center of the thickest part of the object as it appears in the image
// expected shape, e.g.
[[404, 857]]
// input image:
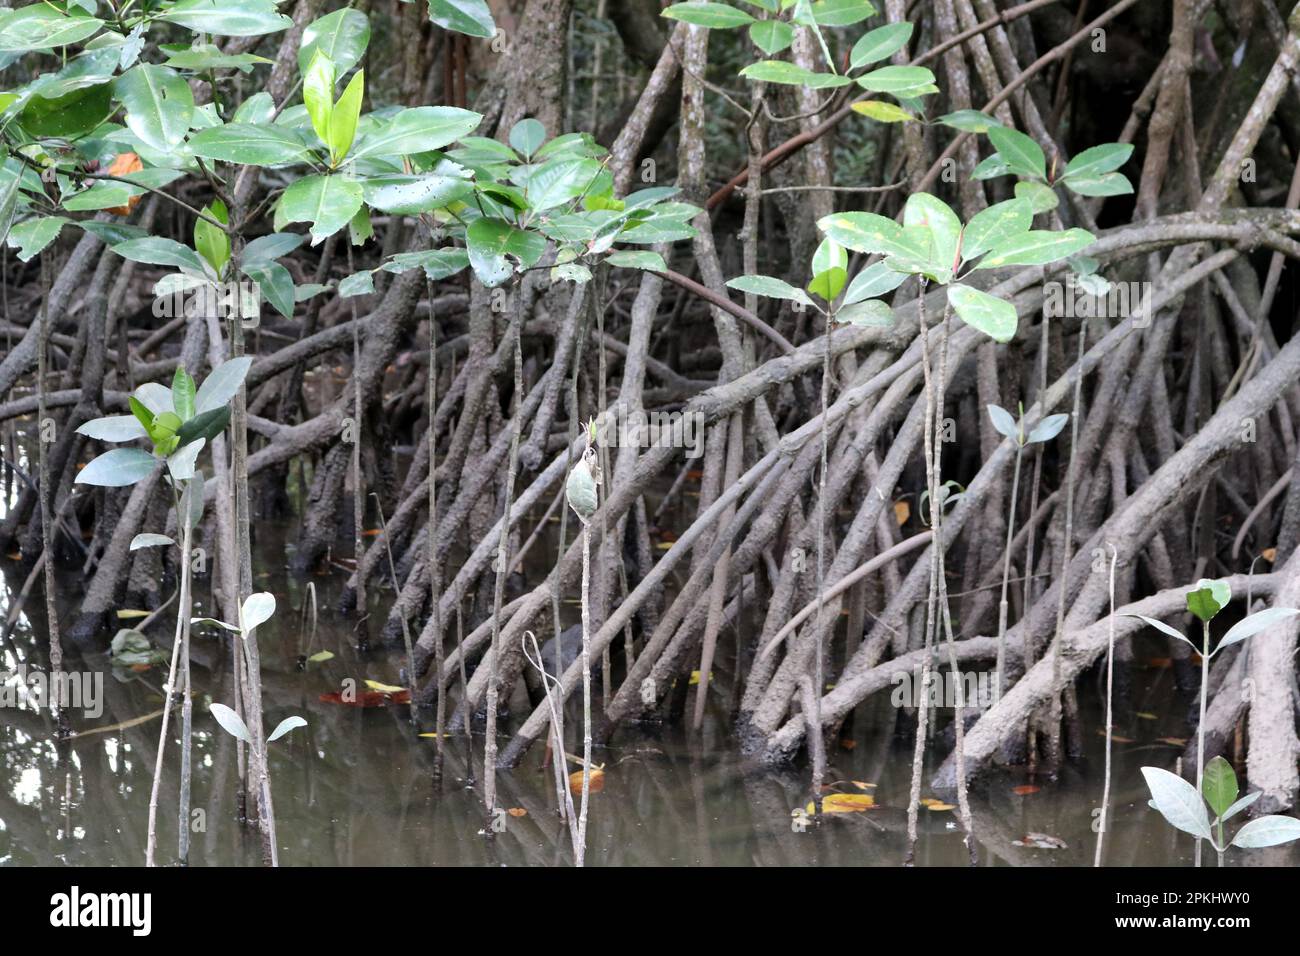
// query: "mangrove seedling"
[[1205, 601], [1183, 807]]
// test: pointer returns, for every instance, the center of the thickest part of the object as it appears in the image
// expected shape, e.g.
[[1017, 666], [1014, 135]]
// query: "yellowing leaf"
[[939, 807], [882, 112], [844, 803], [902, 511], [384, 688], [1269, 555], [695, 677], [861, 785], [595, 785], [517, 812], [127, 614]]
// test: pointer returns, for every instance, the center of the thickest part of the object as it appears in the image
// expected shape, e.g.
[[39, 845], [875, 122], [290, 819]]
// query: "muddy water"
[[356, 786]]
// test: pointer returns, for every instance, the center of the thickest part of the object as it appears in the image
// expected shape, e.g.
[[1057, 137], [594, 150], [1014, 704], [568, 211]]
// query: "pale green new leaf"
[[987, 313]]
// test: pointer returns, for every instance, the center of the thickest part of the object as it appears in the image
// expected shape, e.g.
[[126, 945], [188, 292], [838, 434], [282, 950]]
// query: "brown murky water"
[[355, 787]]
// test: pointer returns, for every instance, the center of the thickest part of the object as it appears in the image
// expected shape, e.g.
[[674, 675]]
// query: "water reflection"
[[356, 787]]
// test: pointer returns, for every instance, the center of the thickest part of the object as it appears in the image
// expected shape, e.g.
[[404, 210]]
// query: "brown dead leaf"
[[596, 784], [124, 163]]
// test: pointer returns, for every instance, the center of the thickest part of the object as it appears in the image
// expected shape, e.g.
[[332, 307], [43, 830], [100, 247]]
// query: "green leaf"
[[286, 725], [1021, 154], [1107, 184], [828, 284], [470, 17], [984, 312], [1255, 623], [203, 57], [342, 36], [114, 428], [865, 232], [637, 259], [715, 16], [1178, 802], [995, 224], [869, 314], [771, 36], [269, 248], [896, 79], [1047, 429], [836, 13], [183, 393], [1041, 198], [969, 121], [250, 145], [274, 283], [769, 286], [559, 181], [159, 105], [205, 425], [359, 283], [491, 240], [1267, 831], [1005, 423], [42, 27], [990, 168], [1163, 628], [1037, 247], [328, 203], [231, 723], [228, 18], [31, 236], [116, 468], [220, 387], [436, 263], [1219, 785], [343, 118], [143, 414], [873, 281], [318, 94], [931, 212], [257, 610], [158, 251], [150, 541], [418, 130], [1208, 598], [790, 74], [880, 44], [412, 195], [1098, 160], [211, 242], [527, 136]]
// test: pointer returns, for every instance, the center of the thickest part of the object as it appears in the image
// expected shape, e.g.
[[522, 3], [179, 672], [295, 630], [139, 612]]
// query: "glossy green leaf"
[[769, 286], [470, 17], [117, 468], [880, 44], [1219, 785], [1037, 247], [986, 313], [1021, 154], [771, 36], [343, 117], [250, 145], [342, 36], [715, 16], [418, 130], [1208, 598], [995, 224], [228, 18], [318, 94], [328, 203], [43, 27]]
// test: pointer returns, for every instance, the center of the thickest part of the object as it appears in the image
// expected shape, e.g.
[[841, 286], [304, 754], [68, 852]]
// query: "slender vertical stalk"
[[581, 853], [503, 565], [431, 558], [183, 505], [1006, 567], [1110, 721], [1200, 724]]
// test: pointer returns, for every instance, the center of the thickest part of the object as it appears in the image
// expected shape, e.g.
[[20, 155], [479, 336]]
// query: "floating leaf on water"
[[1269, 555], [940, 807], [848, 743], [130, 614], [370, 698], [1172, 741], [321, 656], [844, 803], [384, 688], [1146, 716], [595, 785], [695, 677], [862, 785], [1024, 790], [1041, 841], [1116, 738], [434, 735], [518, 811]]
